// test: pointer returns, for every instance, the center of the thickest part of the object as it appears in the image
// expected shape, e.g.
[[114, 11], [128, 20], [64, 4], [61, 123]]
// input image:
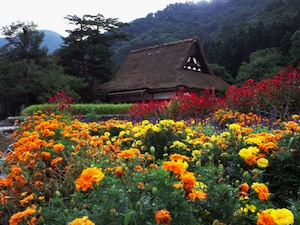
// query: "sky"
[[49, 15]]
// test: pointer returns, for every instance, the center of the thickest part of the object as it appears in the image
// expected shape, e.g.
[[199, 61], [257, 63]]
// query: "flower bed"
[[231, 168]]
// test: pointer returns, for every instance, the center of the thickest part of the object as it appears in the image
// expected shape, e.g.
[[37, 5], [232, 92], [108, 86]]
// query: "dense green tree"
[[86, 51], [25, 82], [295, 50], [24, 42], [262, 64], [221, 71], [28, 76]]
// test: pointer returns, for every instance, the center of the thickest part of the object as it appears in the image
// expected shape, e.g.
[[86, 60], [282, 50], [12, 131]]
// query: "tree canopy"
[[86, 51], [28, 76]]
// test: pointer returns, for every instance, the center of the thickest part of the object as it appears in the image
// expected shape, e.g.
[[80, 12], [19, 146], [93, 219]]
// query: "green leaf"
[[127, 217]]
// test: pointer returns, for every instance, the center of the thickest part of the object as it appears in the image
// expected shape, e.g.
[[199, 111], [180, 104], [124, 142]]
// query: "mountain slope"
[[52, 41], [228, 29]]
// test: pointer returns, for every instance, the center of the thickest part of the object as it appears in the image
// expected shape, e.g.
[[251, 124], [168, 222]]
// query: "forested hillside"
[[230, 30]]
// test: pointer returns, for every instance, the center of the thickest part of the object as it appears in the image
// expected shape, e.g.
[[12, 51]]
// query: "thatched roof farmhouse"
[[157, 72]]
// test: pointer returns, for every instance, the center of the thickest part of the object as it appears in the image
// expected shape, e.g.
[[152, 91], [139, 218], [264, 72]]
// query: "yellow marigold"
[[262, 163], [282, 216], [178, 144], [177, 167], [261, 189], [196, 154], [248, 152], [58, 147], [163, 217], [88, 177], [254, 150], [245, 153], [81, 221], [234, 127]]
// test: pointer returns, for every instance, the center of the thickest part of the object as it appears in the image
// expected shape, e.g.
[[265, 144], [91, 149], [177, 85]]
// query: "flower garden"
[[230, 160]]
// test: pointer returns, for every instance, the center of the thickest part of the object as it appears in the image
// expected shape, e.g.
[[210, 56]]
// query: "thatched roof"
[[165, 67]]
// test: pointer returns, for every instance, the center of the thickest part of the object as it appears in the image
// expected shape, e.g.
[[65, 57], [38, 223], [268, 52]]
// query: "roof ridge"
[[193, 39]]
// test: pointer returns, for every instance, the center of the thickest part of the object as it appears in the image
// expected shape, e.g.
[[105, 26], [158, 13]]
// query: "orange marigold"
[[261, 189], [244, 187], [119, 171], [88, 177], [130, 153], [189, 180], [197, 194], [55, 161], [264, 218], [81, 221], [177, 156], [251, 160], [177, 167], [27, 199], [58, 147], [16, 218], [163, 217]]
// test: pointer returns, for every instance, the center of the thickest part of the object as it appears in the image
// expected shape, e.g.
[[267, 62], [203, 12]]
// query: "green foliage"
[[86, 51], [288, 159], [27, 75], [24, 41], [262, 64], [26, 82], [221, 71], [84, 109], [295, 50]]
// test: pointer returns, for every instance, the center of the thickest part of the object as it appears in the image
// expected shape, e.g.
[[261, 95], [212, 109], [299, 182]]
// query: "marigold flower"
[[177, 167], [119, 171], [58, 147], [27, 199], [245, 153], [266, 147], [244, 187], [251, 160], [15, 169], [88, 177], [261, 189], [138, 168], [130, 153], [282, 216], [55, 161], [234, 127], [163, 217], [177, 156], [197, 194], [264, 218], [16, 218], [189, 180], [262, 163], [141, 185], [81, 221]]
